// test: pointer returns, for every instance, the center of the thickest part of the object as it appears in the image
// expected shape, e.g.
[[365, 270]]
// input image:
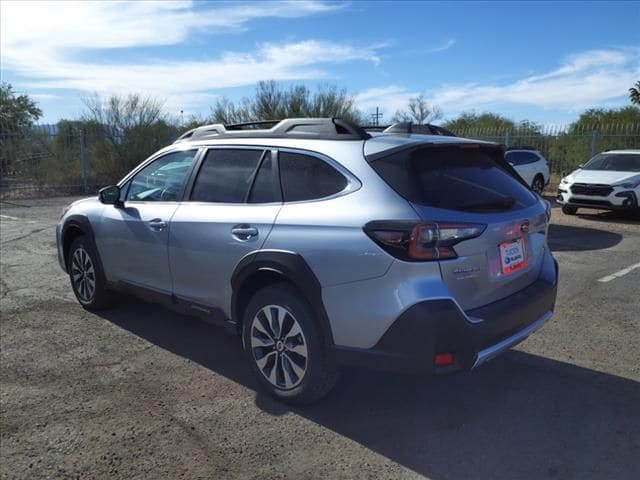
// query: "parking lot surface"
[[142, 392]]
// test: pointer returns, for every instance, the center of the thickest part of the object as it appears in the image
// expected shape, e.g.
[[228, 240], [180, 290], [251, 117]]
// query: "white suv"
[[609, 181], [530, 165]]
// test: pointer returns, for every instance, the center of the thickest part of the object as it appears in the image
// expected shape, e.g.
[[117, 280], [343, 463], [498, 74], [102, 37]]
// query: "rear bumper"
[[440, 326]]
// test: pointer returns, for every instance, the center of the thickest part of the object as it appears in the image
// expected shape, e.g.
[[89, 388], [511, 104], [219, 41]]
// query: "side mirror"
[[581, 165], [110, 195]]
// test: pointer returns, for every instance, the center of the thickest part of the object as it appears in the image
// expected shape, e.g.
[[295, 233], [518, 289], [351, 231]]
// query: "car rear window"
[[521, 158], [454, 178]]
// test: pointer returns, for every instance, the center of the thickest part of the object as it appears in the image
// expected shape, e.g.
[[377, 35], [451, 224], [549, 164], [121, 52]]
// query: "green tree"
[[634, 93], [418, 111], [274, 102], [18, 113], [121, 132], [490, 123]]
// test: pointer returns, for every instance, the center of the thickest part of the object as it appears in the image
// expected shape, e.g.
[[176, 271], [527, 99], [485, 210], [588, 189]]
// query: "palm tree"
[[634, 93]]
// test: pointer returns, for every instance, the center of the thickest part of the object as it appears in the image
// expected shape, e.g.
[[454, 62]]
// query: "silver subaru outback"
[[323, 245]]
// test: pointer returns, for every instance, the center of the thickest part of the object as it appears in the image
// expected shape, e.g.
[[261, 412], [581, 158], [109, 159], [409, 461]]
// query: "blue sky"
[[542, 61]]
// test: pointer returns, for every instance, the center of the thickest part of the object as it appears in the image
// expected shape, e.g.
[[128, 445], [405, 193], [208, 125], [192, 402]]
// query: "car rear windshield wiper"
[[496, 204]]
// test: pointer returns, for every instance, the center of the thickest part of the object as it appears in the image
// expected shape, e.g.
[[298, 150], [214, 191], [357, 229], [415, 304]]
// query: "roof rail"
[[314, 128], [423, 129]]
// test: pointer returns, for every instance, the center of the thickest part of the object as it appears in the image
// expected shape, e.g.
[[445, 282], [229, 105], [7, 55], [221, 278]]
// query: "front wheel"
[[569, 210], [284, 346], [87, 279]]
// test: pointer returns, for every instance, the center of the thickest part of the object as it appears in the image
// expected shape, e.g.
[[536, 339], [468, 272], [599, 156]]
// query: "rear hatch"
[[485, 227]]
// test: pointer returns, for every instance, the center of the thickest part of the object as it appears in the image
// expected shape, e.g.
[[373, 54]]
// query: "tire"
[[86, 276], [569, 210], [286, 351], [538, 184]]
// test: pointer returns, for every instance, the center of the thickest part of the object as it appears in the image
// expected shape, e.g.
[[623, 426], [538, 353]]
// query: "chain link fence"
[[79, 157], [565, 148], [72, 158]]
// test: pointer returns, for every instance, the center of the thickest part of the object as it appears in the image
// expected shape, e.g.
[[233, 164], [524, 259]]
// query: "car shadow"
[[520, 416], [615, 216], [568, 238]]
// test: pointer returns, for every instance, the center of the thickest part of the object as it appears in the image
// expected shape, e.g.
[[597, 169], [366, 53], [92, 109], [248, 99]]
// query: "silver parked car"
[[322, 245]]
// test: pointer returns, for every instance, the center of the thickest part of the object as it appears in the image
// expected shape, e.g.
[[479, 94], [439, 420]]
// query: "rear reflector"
[[444, 359]]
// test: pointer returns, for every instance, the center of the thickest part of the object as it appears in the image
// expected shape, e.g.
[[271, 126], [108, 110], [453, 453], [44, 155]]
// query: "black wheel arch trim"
[[293, 268], [82, 223]]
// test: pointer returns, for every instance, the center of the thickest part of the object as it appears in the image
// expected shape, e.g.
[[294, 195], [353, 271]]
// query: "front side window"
[[226, 175], [305, 177], [162, 180]]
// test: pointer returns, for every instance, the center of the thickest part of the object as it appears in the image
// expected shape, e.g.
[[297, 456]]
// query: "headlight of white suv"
[[632, 184], [564, 180]]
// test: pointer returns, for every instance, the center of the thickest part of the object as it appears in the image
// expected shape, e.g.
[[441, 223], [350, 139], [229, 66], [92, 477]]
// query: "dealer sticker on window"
[[512, 255]]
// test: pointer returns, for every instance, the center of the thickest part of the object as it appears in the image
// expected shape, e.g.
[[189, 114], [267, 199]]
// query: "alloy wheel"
[[83, 275], [279, 347], [538, 186]]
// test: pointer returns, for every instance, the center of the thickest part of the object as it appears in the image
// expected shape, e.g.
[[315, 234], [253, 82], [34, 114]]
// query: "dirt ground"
[[139, 392]]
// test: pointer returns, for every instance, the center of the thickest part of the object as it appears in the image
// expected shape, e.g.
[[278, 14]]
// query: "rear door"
[[472, 184], [229, 213]]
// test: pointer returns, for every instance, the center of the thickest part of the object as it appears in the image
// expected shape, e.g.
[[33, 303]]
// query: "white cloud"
[[445, 46], [48, 43], [589, 79], [388, 99]]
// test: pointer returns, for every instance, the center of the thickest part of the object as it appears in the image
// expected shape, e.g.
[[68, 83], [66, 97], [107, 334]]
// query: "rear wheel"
[[87, 279], [284, 346], [538, 184], [569, 209]]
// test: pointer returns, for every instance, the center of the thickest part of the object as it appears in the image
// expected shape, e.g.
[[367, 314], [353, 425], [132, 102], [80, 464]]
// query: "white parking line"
[[9, 217], [618, 274]]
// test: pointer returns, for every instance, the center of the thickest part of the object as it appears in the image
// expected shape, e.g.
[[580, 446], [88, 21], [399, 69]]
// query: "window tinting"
[[304, 177], [454, 178], [226, 175], [162, 179], [521, 158], [266, 187]]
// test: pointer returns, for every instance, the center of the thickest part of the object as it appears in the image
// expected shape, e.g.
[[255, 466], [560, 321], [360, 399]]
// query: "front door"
[[133, 239]]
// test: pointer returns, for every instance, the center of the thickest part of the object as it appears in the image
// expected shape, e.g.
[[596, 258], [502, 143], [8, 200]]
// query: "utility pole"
[[182, 118], [376, 117]]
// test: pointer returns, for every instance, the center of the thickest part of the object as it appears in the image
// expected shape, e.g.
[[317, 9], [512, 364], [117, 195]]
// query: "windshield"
[[620, 162]]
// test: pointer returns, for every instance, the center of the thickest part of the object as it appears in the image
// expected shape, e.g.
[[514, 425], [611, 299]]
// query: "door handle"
[[157, 224], [244, 232]]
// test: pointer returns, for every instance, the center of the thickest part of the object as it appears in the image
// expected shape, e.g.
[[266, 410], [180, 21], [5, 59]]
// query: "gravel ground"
[[141, 392]]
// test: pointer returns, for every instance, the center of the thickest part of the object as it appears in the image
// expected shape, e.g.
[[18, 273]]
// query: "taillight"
[[421, 241]]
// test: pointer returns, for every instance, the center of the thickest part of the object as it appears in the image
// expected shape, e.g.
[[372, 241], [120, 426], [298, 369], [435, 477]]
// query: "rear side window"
[[226, 175], [305, 177], [454, 178], [266, 188], [521, 158]]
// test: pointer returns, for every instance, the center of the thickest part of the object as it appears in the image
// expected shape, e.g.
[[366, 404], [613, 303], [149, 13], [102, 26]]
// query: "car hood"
[[601, 176]]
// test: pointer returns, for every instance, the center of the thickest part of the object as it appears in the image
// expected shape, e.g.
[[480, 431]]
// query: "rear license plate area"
[[512, 256]]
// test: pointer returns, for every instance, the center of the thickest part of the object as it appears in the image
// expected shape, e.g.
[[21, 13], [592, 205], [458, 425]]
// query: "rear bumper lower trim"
[[497, 348]]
